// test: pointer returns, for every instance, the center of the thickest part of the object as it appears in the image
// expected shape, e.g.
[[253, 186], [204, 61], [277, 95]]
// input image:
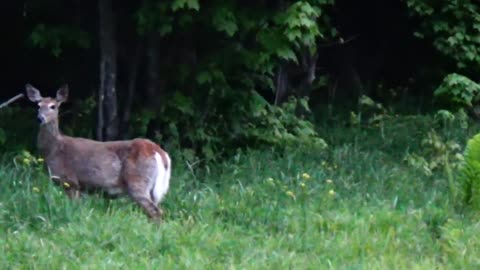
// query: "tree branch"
[[339, 42], [5, 104]]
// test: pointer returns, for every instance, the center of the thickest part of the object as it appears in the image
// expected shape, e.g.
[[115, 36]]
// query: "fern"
[[470, 173]]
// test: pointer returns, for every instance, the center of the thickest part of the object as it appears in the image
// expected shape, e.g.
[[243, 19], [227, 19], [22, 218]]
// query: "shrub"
[[470, 173], [228, 123]]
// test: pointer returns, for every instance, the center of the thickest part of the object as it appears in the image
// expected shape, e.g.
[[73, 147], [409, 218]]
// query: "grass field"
[[355, 205]]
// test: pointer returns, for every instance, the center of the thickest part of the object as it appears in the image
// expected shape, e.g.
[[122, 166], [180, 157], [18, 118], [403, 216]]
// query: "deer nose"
[[40, 119]]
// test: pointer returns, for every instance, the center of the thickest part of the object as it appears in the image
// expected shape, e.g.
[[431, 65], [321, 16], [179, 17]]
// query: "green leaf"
[[185, 4], [204, 77], [287, 54], [293, 34], [165, 29], [225, 21], [182, 103], [458, 88]]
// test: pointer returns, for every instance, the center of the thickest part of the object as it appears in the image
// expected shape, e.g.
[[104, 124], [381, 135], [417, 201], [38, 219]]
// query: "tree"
[[107, 126]]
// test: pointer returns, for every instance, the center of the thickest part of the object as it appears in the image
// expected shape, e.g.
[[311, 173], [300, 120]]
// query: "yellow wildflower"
[[66, 184], [36, 189], [290, 194], [302, 185], [331, 192], [306, 176], [270, 181]]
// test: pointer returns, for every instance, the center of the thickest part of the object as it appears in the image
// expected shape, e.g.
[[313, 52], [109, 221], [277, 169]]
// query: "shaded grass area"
[[355, 205]]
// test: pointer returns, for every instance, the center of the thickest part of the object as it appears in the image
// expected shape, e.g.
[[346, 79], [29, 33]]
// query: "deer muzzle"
[[41, 119]]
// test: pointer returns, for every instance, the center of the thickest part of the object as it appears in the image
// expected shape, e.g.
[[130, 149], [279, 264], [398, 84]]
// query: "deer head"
[[47, 107]]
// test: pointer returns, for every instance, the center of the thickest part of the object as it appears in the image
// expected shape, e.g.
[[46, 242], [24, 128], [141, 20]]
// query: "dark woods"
[[213, 76]]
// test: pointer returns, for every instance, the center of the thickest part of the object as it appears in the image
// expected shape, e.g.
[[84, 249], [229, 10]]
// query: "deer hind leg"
[[139, 174], [139, 190], [143, 199]]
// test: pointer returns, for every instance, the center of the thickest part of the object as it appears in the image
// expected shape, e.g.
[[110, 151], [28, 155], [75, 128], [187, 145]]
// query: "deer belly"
[[101, 175], [114, 190]]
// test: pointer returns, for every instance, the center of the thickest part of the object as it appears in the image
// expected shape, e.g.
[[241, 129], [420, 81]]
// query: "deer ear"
[[62, 94], [32, 93]]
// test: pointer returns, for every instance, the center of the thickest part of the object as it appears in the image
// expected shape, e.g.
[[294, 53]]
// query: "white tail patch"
[[162, 180]]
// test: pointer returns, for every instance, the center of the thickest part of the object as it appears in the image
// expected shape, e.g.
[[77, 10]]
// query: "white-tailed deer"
[[138, 167]]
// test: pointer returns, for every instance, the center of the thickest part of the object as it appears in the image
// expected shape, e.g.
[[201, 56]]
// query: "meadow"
[[358, 204]]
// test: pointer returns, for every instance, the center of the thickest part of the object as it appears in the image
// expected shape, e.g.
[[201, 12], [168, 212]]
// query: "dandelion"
[[36, 189], [329, 181], [291, 194], [270, 181], [306, 176], [331, 192], [66, 184]]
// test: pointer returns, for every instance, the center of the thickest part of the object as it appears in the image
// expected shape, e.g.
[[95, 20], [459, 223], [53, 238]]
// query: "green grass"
[[257, 211]]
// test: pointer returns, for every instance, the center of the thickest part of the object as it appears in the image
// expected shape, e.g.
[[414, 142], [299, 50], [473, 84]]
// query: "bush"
[[228, 123], [470, 173]]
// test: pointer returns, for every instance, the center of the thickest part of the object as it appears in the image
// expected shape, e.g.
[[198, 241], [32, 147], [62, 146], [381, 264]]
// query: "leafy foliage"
[[454, 26], [299, 24], [56, 38], [19, 126], [470, 173], [256, 124], [78, 120], [224, 110], [299, 27], [439, 152], [459, 90], [154, 17], [224, 20], [181, 4]]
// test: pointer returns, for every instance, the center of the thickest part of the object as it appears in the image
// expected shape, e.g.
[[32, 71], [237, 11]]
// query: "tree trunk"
[[132, 81], [108, 72], [309, 68], [153, 79], [100, 99], [281, 84]]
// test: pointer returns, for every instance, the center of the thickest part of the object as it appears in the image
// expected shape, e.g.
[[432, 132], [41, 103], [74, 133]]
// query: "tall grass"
[[356, 205]]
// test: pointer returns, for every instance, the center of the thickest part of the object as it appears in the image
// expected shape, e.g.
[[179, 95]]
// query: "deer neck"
[[48, 137]]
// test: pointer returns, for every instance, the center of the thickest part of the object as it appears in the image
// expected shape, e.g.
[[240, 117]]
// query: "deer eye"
[[52, 107]]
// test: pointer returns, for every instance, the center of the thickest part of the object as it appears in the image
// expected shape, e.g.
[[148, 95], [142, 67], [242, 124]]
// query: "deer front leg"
[[72, 193], [69, 183], [70, 186]]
